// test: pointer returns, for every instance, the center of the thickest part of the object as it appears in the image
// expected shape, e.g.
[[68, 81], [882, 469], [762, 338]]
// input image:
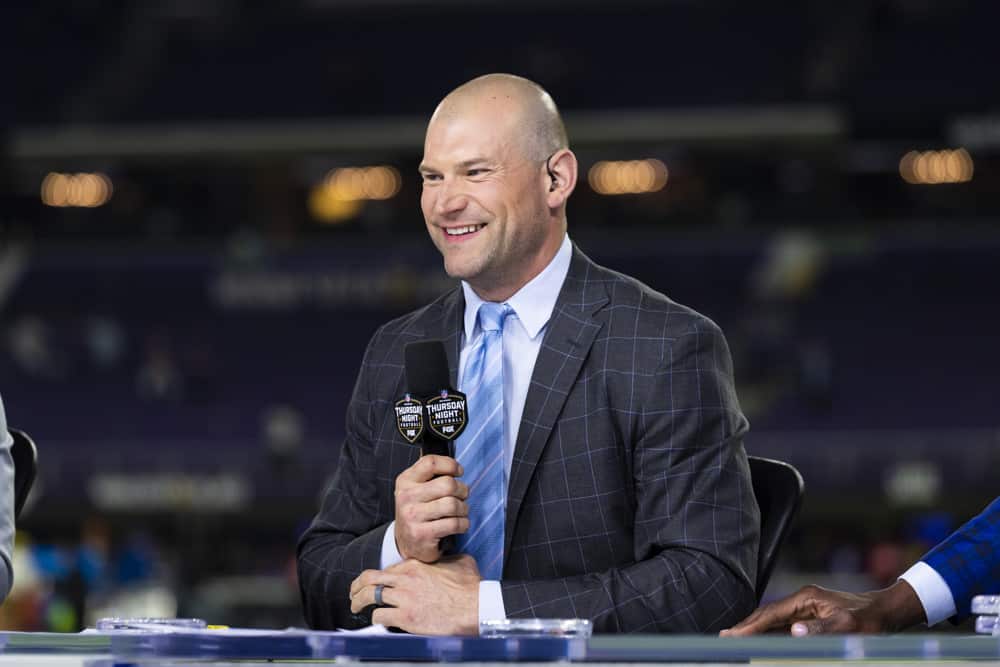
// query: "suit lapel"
[[451, 333], [448, 327], [570, 333]]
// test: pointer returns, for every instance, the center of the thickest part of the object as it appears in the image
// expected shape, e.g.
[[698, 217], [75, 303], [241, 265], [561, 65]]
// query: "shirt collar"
[[533, 303]]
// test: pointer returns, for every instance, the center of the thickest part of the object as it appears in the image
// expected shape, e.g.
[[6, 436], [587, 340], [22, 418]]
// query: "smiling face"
[[484, 200]]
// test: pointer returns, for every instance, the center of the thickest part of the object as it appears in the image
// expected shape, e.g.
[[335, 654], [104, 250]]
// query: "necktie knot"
[[492, 315]]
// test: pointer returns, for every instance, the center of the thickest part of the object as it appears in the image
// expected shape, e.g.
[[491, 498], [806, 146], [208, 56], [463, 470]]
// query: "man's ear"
[[562, 168]]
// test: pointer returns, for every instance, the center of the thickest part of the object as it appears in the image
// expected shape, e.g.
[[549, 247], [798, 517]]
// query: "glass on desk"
[[536, 627], [988, 608], [988, 625], [119, 624], [986, 604]]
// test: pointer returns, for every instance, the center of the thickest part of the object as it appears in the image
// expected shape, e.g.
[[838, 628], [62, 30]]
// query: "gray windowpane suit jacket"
[[629, 499], [6, 508]]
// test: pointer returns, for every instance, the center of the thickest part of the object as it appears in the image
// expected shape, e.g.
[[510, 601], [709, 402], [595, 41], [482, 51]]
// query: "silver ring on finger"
[[378, 594]]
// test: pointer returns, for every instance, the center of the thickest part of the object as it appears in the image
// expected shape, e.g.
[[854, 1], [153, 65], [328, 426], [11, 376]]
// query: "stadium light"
[[83, 190], [628, 177], [936, 167]]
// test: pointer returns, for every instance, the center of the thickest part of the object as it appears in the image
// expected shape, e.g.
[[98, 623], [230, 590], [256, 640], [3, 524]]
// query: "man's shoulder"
[[428, 321], [631, 299]]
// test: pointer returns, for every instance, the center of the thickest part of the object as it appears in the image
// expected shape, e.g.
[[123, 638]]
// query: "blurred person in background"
[[6, 507], [629, 500], [940, 586]]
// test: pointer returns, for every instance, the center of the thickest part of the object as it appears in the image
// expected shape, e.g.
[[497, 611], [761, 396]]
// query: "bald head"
[[531, 113]]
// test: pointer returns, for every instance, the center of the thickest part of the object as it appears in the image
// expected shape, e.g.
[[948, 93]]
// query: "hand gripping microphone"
[[444, 410]]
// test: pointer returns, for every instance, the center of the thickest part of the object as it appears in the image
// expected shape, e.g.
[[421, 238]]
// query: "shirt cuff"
[[933, 592], [491, 601], [390, 554]]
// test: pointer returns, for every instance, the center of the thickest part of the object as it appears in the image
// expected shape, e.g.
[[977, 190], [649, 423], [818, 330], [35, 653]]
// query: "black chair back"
[[25, 456], [778, 487]]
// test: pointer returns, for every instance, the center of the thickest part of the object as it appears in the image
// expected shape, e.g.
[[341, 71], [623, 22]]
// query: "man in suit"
[[6, 508], [939, 586], [616, 441]]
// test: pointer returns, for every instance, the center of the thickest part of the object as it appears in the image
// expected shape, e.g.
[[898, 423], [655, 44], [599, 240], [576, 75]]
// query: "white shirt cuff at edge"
[[491, 601], [390, 554], [932, 590]]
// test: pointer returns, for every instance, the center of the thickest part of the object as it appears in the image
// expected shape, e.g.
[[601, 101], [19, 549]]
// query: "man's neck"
[[499, 289]]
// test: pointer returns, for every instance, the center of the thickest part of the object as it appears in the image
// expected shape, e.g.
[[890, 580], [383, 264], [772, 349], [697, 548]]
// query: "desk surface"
[[224, 647]]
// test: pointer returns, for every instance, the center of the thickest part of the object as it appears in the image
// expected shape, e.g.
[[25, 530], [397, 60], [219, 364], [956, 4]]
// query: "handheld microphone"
[[444, 409], [426, 376]]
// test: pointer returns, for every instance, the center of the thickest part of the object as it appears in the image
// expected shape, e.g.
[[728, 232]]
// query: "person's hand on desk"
[[813, 610], [430, 505], [429, 599]]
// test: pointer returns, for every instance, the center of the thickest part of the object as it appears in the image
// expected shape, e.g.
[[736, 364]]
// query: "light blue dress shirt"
[[522, 339], [6, 508]]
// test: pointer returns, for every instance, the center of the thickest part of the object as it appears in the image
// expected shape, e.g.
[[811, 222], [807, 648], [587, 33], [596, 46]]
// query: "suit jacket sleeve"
[[6, 508], [968, 560], [346, 535], [696, 519]]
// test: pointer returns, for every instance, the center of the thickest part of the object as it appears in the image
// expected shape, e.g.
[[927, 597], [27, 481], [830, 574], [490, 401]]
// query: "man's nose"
[[451, 198]]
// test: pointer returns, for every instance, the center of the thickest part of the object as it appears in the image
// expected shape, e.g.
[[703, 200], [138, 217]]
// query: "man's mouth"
[[462, 231]]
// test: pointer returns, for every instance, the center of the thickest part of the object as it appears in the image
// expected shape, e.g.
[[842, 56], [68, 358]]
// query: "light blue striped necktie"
[[480, 448]]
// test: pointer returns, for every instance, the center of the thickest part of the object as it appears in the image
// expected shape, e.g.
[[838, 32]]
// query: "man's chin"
[[462, 270]]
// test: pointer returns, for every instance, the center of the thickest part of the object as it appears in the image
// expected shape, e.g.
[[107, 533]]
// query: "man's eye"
[[477, 172], [431, 177]]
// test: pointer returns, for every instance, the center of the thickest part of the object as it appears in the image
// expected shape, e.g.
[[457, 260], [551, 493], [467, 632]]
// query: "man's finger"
[[839, 623], [425, 492], [369, 578], [441, 528], [364, 579], [455, 525], [430, 466], [366, 597], [439, 508], [447, 486], [359, 600], [390, 617], [772, 616], [751, 625]]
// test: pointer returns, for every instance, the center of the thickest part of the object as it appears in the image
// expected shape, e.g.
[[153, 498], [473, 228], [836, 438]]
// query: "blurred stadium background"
[[207, 206]]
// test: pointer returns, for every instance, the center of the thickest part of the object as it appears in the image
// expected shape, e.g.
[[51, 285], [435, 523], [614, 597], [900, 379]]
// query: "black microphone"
[[426, 376], [444, 409]]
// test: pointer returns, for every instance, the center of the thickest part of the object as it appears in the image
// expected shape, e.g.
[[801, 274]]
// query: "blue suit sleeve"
[[968, 560]]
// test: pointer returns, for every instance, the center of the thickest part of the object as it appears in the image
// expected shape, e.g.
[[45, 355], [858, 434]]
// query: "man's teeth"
[[459, 231]]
